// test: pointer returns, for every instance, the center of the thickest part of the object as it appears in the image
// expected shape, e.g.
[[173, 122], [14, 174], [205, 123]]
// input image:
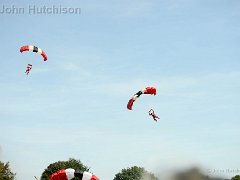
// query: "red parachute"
[[147, 90], [34, 49], [68, 174]]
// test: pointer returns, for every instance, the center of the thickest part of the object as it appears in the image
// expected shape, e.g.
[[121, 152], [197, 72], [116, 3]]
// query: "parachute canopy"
[[147, 90], [34, 49], [68, 174]]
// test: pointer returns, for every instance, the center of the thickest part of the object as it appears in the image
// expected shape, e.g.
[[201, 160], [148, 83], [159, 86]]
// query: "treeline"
[[130, 173]]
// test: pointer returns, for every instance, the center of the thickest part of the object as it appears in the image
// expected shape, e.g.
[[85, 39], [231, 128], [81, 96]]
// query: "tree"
[[5, 172], [71, 163], [237, 177], [134, 173]]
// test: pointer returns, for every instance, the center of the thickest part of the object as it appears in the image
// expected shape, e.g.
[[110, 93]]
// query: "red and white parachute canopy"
[[147, 90], [34, 49], [68, 174]]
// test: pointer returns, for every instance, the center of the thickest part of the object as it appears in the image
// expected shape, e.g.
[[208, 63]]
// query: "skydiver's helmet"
[[85, 175]]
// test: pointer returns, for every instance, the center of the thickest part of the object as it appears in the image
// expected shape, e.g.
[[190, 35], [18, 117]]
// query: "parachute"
[[147, 90], [34, 49], [68, 174]]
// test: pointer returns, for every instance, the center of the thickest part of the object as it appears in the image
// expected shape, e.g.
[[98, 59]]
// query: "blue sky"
[[74, 105]]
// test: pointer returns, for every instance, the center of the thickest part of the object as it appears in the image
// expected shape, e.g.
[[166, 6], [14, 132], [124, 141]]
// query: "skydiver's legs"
[[27, 71], [155, 117]]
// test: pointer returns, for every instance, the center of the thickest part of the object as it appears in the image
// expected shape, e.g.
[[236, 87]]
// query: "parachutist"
[[151, 113], [33, 49], [29, 67]]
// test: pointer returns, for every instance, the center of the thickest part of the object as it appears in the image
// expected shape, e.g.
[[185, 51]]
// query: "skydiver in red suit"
[[29, 67], [151, 113]]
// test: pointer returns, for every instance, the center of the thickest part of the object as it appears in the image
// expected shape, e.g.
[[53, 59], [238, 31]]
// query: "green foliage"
[[71, 163], [134, 173], [237, 177], [5, 172]]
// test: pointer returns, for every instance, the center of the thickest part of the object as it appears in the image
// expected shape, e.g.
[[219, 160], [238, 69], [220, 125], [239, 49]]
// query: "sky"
[[74, 104]]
